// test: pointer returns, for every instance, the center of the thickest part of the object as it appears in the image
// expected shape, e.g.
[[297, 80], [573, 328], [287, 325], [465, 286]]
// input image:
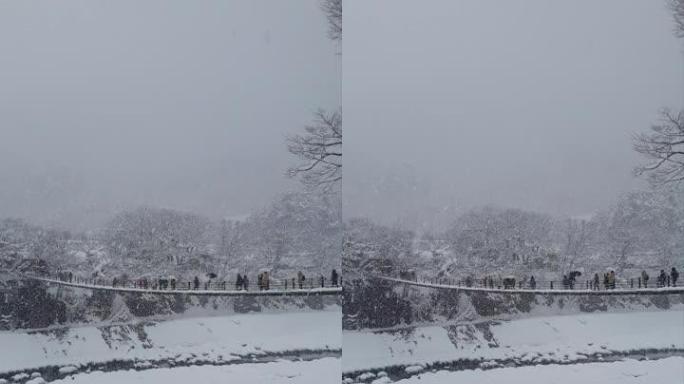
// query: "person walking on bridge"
[[196, 283], [238, 282], [597, 282], [644, 278], [334, 276], [662, 278], [300, 279], [533, 283], [674, 275]]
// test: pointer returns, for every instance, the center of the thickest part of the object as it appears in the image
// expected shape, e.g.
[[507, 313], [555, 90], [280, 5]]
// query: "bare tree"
[[320, 149], [664, 147], [677, 7], [333, 12]]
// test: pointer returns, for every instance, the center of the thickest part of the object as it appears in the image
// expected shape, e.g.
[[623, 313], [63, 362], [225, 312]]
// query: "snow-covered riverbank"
[[668, 370], [321, 371], [203, 338], [553, 338]]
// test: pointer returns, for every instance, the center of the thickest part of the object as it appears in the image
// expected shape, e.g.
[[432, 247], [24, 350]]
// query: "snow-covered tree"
[[157, 237]]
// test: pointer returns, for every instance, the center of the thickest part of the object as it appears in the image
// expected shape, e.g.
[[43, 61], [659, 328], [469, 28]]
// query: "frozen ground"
[[321, 371], [668, 370], [207, 339], [527, 341]]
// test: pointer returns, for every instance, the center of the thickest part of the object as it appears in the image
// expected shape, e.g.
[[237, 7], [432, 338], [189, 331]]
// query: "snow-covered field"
[[321, 371], [207, 339], [532, 340], [668, 370]]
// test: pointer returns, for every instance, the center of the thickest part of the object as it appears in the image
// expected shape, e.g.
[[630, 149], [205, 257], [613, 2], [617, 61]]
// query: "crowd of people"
[[299, 282], [605, 281], [242, 282]]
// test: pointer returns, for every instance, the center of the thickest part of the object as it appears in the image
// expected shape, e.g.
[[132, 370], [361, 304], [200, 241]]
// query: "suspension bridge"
[[621, 288], [205, 289]]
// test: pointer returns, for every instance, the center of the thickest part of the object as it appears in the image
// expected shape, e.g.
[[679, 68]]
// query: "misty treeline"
[[642, 229], [298, 231]]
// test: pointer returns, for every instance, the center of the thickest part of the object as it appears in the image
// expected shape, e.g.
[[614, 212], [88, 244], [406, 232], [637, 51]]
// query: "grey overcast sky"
[[517, 103], [106, 105]]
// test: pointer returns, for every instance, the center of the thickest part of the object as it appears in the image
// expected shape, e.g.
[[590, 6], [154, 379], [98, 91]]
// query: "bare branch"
[[677, 7], [663, 146], [333, 12], [320, 152]]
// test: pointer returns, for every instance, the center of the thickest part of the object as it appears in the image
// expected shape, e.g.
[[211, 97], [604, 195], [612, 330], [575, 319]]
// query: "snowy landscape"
[[216, 341], [164, 213], [173, 207], [514, 209]]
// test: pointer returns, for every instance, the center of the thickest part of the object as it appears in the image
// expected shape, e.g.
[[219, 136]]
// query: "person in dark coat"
[[245, 282], [196, 282], [662, 278], [333, 277], [238, 282], [300, 279], [597, 282], [674, 275], [644, 278], [533, 283]]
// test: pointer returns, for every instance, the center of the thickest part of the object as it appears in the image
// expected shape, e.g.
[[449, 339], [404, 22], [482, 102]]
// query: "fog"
[[528, 104], [106, 105]]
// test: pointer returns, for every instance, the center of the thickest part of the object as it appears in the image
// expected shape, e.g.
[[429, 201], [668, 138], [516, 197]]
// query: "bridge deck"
[[579, 292], [198, 292]]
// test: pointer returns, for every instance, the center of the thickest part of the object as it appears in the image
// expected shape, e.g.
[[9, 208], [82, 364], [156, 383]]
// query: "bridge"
[[214, 289], [623, 288]]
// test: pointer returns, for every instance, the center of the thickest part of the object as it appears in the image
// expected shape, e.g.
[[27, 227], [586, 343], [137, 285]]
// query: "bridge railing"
[[586, 284], [223, 285]]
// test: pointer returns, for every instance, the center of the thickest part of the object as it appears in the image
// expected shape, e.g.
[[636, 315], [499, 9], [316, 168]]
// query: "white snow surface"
[[206, 337], [564, 338], [668, 370], [322, 371]]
